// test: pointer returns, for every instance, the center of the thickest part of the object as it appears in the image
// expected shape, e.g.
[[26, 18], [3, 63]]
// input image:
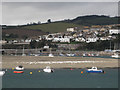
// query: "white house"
[[88, 40], [114, 31], [70, 29], [46, 47], [28, 40], [49, 37], [61, 40]]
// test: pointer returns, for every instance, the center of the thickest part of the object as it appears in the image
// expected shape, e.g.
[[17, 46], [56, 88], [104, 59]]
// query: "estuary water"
[[61, 78]]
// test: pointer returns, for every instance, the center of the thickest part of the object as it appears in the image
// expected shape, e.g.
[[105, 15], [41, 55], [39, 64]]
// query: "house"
[[114, 31], [46, 47], [57, 39], [70, 29], [91, 39]]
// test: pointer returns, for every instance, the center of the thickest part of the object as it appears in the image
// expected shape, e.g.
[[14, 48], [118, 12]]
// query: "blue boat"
[[94, 70]]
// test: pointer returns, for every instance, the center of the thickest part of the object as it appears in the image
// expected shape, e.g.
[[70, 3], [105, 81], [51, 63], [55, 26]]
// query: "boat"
[[70, 55], [115, 55], [2, 73], [19, 69], [95, 70], [84, 54], [61, 54], [48, 69], [92, 54], [51, 55], [89, 54]]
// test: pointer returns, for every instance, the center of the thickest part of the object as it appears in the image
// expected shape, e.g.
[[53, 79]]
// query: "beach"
[[39, 62]]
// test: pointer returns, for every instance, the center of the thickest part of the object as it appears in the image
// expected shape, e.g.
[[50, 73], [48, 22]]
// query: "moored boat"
[[115, 55], [2, 73], [70, 55], [94, 70], [48, 70], [19, 69], [51, 55]]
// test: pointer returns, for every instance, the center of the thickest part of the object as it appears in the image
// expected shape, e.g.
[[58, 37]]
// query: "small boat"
[[70, 55], [51, 55], [48, 70], [89, 54], [84, 54], [115, 55], [94, 70], [19, 69], [92, 54], [2, 73], [61, 54]]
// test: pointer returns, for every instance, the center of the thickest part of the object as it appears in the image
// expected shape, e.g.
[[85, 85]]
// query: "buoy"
[[30, 72], [81, 71], [39, 71], [12, 68]]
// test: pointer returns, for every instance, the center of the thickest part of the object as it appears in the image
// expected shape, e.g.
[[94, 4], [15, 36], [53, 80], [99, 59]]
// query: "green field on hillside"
[[52, 27]]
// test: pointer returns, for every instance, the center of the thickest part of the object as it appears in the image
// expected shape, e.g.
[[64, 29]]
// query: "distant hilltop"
[[94, 20]]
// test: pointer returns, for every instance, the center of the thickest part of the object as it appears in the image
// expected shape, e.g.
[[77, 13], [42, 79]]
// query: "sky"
[[19, 13]]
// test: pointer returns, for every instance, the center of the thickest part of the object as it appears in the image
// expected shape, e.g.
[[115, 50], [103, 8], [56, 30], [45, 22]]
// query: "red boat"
[[18, 71]]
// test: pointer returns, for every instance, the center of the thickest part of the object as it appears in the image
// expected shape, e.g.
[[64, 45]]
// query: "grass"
[[52, 27]]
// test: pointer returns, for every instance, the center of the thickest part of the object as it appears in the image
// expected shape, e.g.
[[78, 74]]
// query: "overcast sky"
[[25, 12]]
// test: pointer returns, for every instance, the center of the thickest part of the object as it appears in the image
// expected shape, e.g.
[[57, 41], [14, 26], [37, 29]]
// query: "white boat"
[[2, 73], [94, 70], [70, 55], [48, 70], [19, 68], [51, 55], [61, 54], [84, 54], [92, 54], [115, 55]]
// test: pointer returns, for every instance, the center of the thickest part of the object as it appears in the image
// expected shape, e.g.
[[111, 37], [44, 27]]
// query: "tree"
[[39, 22], [33, 44], [49, 20]]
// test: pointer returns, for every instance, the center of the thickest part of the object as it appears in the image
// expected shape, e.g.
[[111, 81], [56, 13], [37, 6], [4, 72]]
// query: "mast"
[[23, 54]]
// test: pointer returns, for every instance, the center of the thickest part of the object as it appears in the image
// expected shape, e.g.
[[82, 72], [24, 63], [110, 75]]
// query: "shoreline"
[[40, 62]]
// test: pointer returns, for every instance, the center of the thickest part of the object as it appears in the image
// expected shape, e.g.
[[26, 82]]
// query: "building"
[[70, 29], [114, 31]]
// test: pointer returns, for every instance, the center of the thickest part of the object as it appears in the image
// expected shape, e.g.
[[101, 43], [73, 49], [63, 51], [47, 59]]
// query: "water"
[[61, 78]]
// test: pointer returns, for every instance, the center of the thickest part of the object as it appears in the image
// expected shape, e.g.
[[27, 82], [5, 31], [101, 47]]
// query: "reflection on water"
[[61, 78]]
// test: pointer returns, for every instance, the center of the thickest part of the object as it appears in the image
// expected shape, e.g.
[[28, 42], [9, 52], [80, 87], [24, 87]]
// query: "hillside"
[[59, 26], [52, 27], [20, 32], [94, 20]]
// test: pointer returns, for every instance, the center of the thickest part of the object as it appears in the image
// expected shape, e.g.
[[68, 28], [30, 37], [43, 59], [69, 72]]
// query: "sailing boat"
[[50, 54]]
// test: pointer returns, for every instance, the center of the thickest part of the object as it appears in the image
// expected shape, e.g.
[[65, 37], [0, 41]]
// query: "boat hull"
[[18, 71], [95, 71]]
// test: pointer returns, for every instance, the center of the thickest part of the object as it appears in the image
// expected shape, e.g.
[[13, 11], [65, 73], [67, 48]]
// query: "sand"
[[39, 62]]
